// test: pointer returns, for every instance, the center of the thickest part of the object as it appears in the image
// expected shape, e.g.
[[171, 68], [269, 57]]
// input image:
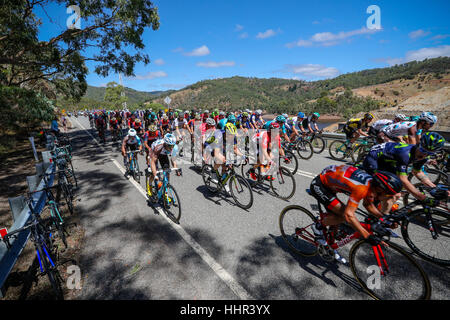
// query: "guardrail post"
[[33, 182], [16, 204], [46, 157]]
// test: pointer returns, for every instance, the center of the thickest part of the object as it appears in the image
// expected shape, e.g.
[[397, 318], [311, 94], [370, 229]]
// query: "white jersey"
[[399, 129], [176, 123], [378, 125]]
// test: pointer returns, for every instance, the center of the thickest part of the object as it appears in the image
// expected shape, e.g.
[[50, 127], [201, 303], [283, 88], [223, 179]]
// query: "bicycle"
[[289, 160], [279, 181], [339, 150], [388, 265], [41, 237], [133, 165], [317, 142], [430, 225], [237, 185], [304, 148], [163, 192]]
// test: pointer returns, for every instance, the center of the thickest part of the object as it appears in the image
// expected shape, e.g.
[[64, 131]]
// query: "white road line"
[[213, 264]]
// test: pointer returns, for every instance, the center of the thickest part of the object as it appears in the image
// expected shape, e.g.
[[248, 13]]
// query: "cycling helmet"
[[432, 141], [389, 182], [152, 128], [414, 118], [210, 122], [401, 116], [428, 117], [232, 118], [368, 116], [300, 115], [169, 139], [132, 133], [197, 117], [258, 112], [113, 119], [245, 115], [230, 128], [137, 120], [206, 111], [281, 119], [221, 113]]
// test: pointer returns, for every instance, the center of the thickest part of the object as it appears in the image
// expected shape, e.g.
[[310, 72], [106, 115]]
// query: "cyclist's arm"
[[413, 138], [410, 187], [351, 219], [372, 209], [423, 178]]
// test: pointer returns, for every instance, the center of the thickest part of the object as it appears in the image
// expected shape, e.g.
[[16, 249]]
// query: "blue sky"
[[308, 40]]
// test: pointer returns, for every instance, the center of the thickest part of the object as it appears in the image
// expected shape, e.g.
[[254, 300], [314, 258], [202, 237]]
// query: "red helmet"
[[274, 125]]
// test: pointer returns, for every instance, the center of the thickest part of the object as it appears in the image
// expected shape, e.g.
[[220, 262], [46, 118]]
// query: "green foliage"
[[23, 109], [113, 95]]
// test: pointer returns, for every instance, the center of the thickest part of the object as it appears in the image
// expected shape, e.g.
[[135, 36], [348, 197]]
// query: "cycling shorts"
[[324, 195]]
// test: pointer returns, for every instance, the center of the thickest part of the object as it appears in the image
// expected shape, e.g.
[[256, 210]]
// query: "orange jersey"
[[349, 180]]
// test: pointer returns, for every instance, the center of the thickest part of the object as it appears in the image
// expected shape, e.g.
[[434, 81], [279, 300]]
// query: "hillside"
[[282, 95]]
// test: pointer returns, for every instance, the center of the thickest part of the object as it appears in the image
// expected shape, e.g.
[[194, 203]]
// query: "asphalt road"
[[219, 251]]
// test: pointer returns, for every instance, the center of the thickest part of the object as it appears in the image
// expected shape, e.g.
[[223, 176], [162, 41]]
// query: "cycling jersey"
[[399, 129], [150, 137], [349, 180], [392, 157], [177, 123], [379, 124], [222, 123], [266, 126], [158, 149], [307, 121], [132, 141]]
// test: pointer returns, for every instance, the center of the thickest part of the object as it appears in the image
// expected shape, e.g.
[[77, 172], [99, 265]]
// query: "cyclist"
[[310, 123], [267, 142], [359, 185], [150, 136], [132, 143], [114, 127], [355, 127], [281, 120], [396, 157], [160, 151], [410, 131], [100, 123], [297, 127], [257, 120], [164, 124]]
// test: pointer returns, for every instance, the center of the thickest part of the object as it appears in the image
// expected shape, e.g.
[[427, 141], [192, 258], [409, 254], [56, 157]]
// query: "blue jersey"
[[221, 124], [392, 157]]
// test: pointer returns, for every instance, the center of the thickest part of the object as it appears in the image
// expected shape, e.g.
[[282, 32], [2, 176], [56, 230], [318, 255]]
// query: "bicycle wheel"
[[67, 195], [50, 270], [172, 204], [210, 178], [58, 223], [417, 235], [290, 162], [241, 191], [295, 225], [318, 144], [284, 184], [304, 149], [358, 154], [388, 274], [338, 150]]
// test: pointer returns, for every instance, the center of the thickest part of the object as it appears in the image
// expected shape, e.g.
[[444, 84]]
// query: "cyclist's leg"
[[332, 204]]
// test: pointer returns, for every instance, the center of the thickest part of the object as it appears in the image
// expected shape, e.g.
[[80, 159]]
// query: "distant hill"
[[134, 96], [281, 95]]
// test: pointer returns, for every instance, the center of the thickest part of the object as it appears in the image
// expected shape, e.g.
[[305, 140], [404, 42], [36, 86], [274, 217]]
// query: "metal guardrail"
[[21, 215], [341, 136]]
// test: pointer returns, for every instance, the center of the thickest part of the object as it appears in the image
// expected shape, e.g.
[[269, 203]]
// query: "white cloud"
[[202, 51], [419, 55], [150, 75], [179, 49], [440, 36], [327, 39], [238, 27], [313, 70], [418, 34], [266, 34], [159, 62], [243, 35], [212, 64]]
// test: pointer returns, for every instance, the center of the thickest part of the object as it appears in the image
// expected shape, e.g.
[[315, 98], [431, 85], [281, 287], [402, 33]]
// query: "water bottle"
[[224, 176]]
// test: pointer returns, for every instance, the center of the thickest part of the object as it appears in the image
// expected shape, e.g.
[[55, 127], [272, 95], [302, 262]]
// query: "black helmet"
[[389, 182]]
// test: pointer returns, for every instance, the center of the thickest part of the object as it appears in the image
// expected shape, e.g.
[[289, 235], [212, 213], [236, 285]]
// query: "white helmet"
[[132, 133], [259, 112], [210, 122], [428, 117], [170, 139]]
